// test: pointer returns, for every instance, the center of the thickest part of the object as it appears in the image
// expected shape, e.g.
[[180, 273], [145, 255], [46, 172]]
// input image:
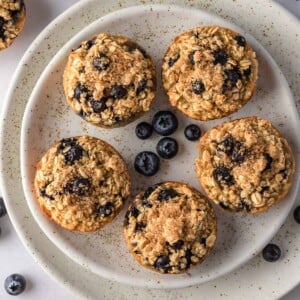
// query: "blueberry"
[[139, 226], [167, 147], [106, 209], [226, 145], [191, 57], [101, 62], [220, 57], [177, 245], [162, 263], [244, 205], [297, 214], [223, 205], [131, 47], [2, 30], [202, 240], [99, 105], [15, 284], [44, 194], [126, 219], [188, 257], [79, 90], [118, 91], [269, 161], [79, 186], [142, 84], [167, 194], [74, 152], [197, 87], [2, 208], [238, 153], [134, 212], [164, 122], [143, 130], [222, 175], [233, 75], [90, 43], [173, 60], [146, 163], [247, 72], [271, 253], [192, 132], [241, 41]]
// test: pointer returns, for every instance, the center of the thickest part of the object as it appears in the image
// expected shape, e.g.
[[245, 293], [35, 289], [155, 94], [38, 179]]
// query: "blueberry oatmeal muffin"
[[245, 165], [81, 183], [209, 72], [12, 19], [109, 80], [170, 227]]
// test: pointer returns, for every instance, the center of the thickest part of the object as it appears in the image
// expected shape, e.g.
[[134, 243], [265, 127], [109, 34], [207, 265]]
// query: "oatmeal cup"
[[109, 80], [245, 165], [209, 72]]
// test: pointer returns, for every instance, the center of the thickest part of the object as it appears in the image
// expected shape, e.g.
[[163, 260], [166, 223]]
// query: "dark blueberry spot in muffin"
[[2, 208], [167, 194], [99, 105], [297, 214], [226, 145], [79, 186], [79, 90], [2, 34], [146, 163], [238, 153], [147, 193], [118, 91], [264, 189], [162, 263], [202, 240], [139, 226], [220, 57], [223, 205], [233, 75], [192, 132], [15, 284], [134, 211], [177, 245], [164, 123], [172, 60], [44, 194], [15, 15], [247, 72], [83, 114], [142, 84], [143, 130], [197, 87], [244, 205], [268, 160], [222, 175], [73, 154], [167, 147], [90, 43], [284, 174], [101, 62], [188, 257], [106, 210], [191, 57], [271, 253], [131, 46], [126, 219], [241, 41]]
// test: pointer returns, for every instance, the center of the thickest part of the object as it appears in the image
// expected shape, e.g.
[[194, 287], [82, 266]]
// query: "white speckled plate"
[[257, 279], [47, 118]]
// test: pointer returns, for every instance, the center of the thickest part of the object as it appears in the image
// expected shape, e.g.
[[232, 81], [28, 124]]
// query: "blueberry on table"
[[143, 130], [164, 122], [146, 163], [297, 214], [15, 284], [192, 132], [271, 253], [2, 208], [167, 147]]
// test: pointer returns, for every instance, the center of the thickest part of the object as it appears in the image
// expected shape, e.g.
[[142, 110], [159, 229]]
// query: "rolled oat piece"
[[209, 72], [81, 183], [170, 227], [109, 80], [12, 19], [245, 165]]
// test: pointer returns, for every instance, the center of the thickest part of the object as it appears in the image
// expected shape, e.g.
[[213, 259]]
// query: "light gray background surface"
[[13, 255]]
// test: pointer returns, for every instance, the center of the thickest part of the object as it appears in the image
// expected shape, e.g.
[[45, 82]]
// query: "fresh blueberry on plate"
[[167, 147], [143, 130], [2, 208], [271, 253], [15, 284], [146, 163], [192, 132], [164, 122]]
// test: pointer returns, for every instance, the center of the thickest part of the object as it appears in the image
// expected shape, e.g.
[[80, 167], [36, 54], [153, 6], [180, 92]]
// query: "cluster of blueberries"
[[164, 123]]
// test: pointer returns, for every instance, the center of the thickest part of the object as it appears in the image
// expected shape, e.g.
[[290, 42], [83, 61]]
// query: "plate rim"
[[54, 273]]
